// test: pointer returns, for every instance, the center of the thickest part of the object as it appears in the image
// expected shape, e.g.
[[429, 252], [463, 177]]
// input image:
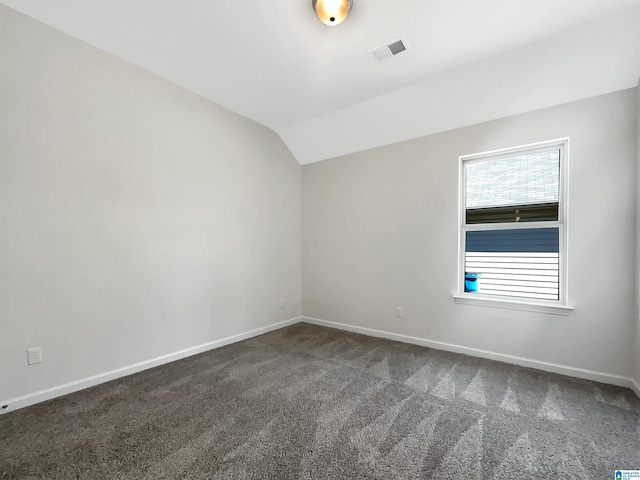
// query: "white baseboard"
[[635, 386], [475, 352], [57, 391]]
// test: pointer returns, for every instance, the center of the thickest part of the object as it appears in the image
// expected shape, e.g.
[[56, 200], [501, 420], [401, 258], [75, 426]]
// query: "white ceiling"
[[273, 61]]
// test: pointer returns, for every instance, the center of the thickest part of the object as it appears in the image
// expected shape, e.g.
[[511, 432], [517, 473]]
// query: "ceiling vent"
[[389, 49]]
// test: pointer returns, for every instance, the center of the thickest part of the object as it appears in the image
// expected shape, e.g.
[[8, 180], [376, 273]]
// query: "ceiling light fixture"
[[332, 12]]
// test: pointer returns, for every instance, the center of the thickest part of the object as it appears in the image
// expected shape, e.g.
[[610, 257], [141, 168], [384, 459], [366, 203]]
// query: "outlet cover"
[[34, 355], [399, 312]]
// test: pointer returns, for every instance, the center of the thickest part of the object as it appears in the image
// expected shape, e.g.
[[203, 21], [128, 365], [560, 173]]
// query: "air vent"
[[389, 49]]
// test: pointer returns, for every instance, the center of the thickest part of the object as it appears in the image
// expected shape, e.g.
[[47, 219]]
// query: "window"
[[513, 225]]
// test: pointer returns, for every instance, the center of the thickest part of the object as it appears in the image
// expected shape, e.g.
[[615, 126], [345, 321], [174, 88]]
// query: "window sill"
[[553, 309]]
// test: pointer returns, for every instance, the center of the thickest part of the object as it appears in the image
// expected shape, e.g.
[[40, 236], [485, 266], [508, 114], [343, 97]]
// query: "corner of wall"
[[163, 224], [637, 311]]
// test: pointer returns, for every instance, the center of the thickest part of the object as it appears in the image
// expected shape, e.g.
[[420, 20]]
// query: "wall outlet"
[[34, 355], [399, 312], [282, 303], [298, 300]]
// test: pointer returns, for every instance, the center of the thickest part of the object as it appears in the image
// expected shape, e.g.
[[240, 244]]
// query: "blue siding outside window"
[[516, 240], [516, 263]]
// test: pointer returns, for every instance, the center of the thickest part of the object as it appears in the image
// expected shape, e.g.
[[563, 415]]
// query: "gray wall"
[[136, 219], [380, 230]]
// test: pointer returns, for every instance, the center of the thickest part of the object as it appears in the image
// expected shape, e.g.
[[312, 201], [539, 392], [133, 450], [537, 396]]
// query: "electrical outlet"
[[298, 300], [34, 355], [282, 303], [399, 312]]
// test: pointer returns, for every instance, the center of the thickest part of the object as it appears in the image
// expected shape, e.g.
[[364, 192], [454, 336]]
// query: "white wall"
[[380, 230], [637, 316], [136, 219]]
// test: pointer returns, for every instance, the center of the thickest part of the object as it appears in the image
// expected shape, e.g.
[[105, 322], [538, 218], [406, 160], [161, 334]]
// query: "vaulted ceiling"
[[274, 62]]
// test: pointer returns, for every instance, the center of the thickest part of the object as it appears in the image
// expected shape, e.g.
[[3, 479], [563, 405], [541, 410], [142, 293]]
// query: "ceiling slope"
[[317, 87], [590, 60]]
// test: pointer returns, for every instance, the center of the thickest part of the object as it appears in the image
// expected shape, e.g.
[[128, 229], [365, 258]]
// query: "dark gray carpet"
[[307, 402]]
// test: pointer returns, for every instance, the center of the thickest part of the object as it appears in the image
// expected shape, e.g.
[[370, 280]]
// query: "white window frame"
[[558, 307]]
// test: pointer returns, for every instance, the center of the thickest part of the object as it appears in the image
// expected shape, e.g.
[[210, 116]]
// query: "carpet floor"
[[307, 402]]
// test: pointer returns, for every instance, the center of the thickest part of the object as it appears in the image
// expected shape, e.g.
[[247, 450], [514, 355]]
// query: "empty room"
[[319, 239]]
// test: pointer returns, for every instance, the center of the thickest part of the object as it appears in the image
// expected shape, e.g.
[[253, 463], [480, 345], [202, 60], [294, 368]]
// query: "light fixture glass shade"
[[332, 12]]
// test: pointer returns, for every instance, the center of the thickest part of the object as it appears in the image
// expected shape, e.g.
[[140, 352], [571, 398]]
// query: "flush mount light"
[[332, 12]]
